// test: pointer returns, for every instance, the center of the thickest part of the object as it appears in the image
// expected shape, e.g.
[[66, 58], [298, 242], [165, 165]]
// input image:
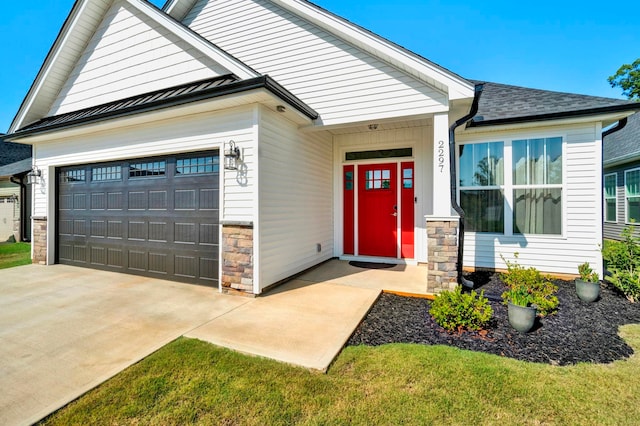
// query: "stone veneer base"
[[237, 259], [39, 240], [442, 251]]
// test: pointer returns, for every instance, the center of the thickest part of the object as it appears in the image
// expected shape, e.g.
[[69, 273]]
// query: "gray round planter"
[[522, 318], [587, 291]]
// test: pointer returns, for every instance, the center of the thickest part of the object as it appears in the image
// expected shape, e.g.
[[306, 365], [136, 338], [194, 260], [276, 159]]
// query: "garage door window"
[[106, 173], [197, 165], [70, 176], [152, 168]]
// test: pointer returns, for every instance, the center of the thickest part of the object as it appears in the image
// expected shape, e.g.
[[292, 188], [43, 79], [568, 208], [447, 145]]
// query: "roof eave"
[[555, 116]]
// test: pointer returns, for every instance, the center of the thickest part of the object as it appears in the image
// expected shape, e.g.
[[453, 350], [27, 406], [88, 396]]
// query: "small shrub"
[[622, 259], [587, 274], [539, 287], [458, 311]]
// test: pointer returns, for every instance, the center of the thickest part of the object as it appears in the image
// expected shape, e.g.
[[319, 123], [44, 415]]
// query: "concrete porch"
[[401, 279]]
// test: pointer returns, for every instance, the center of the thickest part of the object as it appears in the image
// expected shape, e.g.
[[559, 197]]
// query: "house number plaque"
[[441, 157]]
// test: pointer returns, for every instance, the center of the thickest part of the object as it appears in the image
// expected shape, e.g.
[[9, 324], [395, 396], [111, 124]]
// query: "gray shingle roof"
[[624, 144], [11, 152], [16, 168], [502, 104]]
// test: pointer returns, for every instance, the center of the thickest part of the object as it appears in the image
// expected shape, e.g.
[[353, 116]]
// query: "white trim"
[[257, 119], [615, 196], [214, 52], [626, 197]]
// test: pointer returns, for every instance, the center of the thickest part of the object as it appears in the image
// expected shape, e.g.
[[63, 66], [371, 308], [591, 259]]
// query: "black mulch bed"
[[578, 332]]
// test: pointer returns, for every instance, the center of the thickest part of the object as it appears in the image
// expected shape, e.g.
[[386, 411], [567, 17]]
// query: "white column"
[[441, 169]]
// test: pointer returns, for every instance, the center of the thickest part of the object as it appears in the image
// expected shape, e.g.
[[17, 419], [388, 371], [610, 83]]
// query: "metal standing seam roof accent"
[[177, 95], [624, 144], [503, 104], [145, 99]]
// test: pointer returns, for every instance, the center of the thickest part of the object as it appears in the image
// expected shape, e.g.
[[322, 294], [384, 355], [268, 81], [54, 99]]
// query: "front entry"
[[378, 210], [384, 223]]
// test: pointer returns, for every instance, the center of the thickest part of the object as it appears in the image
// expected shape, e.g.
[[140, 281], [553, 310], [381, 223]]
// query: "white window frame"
[[626, 197], [615, 196], [508, 187]]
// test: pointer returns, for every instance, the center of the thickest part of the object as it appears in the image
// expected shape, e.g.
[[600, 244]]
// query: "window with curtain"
[[537, 186], [610, 202], [632, 190], [482, 186]]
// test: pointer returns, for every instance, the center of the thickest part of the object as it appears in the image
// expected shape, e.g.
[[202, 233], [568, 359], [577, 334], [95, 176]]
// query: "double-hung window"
[[482, 186], [537, 186], [610, 202], [632, 195], [513, 187]]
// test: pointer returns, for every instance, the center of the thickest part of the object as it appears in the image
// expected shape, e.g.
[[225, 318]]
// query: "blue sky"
[[563, 45]]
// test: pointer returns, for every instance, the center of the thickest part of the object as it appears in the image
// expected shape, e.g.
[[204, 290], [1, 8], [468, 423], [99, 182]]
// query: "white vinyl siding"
[[582, 209], [130, 55], [341, 82], [296, 207], [57, 72]]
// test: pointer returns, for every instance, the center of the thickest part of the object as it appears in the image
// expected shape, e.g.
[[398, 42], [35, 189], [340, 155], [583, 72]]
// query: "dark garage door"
[[155, 217]]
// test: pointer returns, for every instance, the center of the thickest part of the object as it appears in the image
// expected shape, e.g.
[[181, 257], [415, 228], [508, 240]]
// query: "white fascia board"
[[600, 118], [214, 52], [50, 60], [457, 87]]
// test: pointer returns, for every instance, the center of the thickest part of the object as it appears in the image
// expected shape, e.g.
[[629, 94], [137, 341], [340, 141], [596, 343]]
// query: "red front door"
[[378, 210]]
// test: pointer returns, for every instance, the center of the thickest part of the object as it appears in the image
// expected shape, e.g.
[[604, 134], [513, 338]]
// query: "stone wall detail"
[[237, 259], [39, 240], [442, 251]]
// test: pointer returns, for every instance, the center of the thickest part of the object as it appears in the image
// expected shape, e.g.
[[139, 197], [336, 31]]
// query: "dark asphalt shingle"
[[12, 152], [502, 103], [625, 143]]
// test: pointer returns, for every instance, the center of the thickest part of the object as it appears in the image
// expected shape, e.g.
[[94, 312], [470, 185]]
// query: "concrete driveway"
[[64, 330]]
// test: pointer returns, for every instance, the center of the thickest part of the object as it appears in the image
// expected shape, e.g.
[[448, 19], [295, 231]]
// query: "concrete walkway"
[[301, 323], [64, 330]]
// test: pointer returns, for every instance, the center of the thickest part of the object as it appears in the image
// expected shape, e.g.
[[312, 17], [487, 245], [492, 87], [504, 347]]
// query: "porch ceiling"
[[382, 125]]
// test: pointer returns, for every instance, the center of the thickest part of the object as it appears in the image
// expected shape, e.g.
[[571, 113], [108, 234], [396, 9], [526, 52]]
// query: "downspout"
[[454, 181], [619, 126], [23, 196]]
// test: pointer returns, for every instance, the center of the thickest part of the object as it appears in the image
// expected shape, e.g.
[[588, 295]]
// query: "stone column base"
[[237, 258], [442, 252], [39, 240]]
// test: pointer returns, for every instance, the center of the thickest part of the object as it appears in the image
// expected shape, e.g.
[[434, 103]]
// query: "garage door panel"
[[165, 226]]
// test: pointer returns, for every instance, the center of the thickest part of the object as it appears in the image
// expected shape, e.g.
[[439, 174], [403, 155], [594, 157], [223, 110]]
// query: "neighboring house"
[[241, 142], [622, 179], [15, 198]]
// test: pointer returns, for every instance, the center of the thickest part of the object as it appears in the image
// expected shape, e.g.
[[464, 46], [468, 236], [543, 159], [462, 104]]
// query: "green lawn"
[[14, 254], [189, 382]]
